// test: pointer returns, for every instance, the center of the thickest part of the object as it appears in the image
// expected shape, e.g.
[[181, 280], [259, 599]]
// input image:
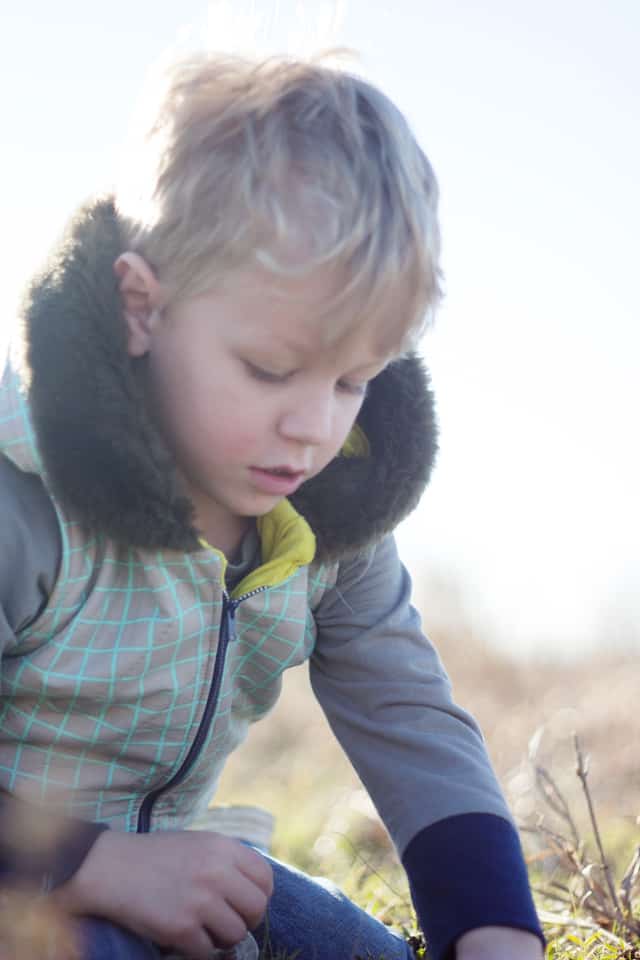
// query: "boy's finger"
[[247, 899], [247, 949], [224, 926], [200, 945], [256, 868]]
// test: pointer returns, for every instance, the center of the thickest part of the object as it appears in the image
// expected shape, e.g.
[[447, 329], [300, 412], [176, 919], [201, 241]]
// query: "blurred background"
[[529, 113], [524, 551]]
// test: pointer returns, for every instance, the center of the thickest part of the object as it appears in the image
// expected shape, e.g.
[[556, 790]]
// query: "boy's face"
[[251, 399]]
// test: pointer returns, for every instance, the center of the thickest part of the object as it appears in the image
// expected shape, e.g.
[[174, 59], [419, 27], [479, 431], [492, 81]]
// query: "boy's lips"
[[281, 480]]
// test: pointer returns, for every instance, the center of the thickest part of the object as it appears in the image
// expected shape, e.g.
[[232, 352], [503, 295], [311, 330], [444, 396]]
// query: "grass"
[[528, 712], [589, 902]]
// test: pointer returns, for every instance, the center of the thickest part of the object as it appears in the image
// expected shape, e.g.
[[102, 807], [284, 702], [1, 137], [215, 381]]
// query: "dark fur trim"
[[354, 502], [105, 459]]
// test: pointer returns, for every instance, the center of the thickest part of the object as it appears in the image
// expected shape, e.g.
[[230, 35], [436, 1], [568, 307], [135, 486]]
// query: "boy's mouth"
[[281, 480], [282, 471]]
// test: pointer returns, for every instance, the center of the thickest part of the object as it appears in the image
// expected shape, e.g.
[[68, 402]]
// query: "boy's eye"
[[357, 389], [267, 376], [270, 376]]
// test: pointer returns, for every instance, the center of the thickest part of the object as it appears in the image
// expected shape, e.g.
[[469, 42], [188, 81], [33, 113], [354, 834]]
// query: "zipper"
[[226, 636]]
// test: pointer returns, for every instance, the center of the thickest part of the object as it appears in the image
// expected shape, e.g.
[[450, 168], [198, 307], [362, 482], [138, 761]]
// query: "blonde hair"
[[289, 165]]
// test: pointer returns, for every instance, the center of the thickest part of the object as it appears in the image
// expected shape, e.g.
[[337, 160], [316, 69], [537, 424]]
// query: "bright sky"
[[529, 113]]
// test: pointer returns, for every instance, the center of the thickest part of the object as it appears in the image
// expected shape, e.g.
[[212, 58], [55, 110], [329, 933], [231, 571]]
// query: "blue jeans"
[[307, 919]]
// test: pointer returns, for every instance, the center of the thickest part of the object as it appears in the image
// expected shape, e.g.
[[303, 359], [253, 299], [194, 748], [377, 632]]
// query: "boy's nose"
[[309, 420]]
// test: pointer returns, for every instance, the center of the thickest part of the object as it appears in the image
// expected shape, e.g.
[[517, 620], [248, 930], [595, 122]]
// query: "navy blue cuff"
[[466, 872]]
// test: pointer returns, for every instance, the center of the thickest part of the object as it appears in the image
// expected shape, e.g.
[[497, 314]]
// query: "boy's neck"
[[215, 524], [228, 537]]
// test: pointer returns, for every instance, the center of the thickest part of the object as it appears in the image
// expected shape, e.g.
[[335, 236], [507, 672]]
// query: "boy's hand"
[[498, 943], [189, 890]]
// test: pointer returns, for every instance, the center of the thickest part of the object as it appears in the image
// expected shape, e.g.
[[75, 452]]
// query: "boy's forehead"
[[316, 286], [316, 308]]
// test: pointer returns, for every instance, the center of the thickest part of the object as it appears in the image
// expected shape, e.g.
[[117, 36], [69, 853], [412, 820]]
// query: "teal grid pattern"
[[102, 696]]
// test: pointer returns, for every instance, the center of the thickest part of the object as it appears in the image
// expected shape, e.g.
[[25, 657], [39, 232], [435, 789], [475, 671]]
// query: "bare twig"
[[567, 920], [556, 801], [590, 885], [630, 880], [552, 895], [582, 770]]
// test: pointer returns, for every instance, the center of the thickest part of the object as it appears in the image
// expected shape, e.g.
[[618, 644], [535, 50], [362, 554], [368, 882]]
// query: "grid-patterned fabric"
[[102, 696]]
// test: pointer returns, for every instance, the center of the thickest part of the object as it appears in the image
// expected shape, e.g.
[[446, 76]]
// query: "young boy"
[[215, 426]]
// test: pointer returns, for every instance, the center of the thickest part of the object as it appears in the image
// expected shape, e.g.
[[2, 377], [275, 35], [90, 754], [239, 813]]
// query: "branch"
[[582, 770]]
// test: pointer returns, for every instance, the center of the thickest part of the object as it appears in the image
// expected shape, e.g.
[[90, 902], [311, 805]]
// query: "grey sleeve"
[[388, 700], [30, 550]]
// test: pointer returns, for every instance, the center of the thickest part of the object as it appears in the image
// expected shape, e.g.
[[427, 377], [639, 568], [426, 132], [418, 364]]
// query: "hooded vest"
[[123, 699]]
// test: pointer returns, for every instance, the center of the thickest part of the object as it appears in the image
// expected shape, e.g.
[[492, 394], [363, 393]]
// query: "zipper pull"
[[229, 613]]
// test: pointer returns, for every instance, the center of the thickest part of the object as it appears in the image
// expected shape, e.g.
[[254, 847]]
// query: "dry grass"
[[292, 754], [578, 877], [292, 765]]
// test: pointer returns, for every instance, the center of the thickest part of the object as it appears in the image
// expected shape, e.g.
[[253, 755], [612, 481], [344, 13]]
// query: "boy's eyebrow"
[[307, 346], [299, 349]]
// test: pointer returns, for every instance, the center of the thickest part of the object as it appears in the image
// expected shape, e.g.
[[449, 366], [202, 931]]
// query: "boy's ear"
[[142, 298]]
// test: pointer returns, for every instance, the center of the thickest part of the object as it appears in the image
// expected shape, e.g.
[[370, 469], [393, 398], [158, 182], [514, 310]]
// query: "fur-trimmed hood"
[[104, 457]]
